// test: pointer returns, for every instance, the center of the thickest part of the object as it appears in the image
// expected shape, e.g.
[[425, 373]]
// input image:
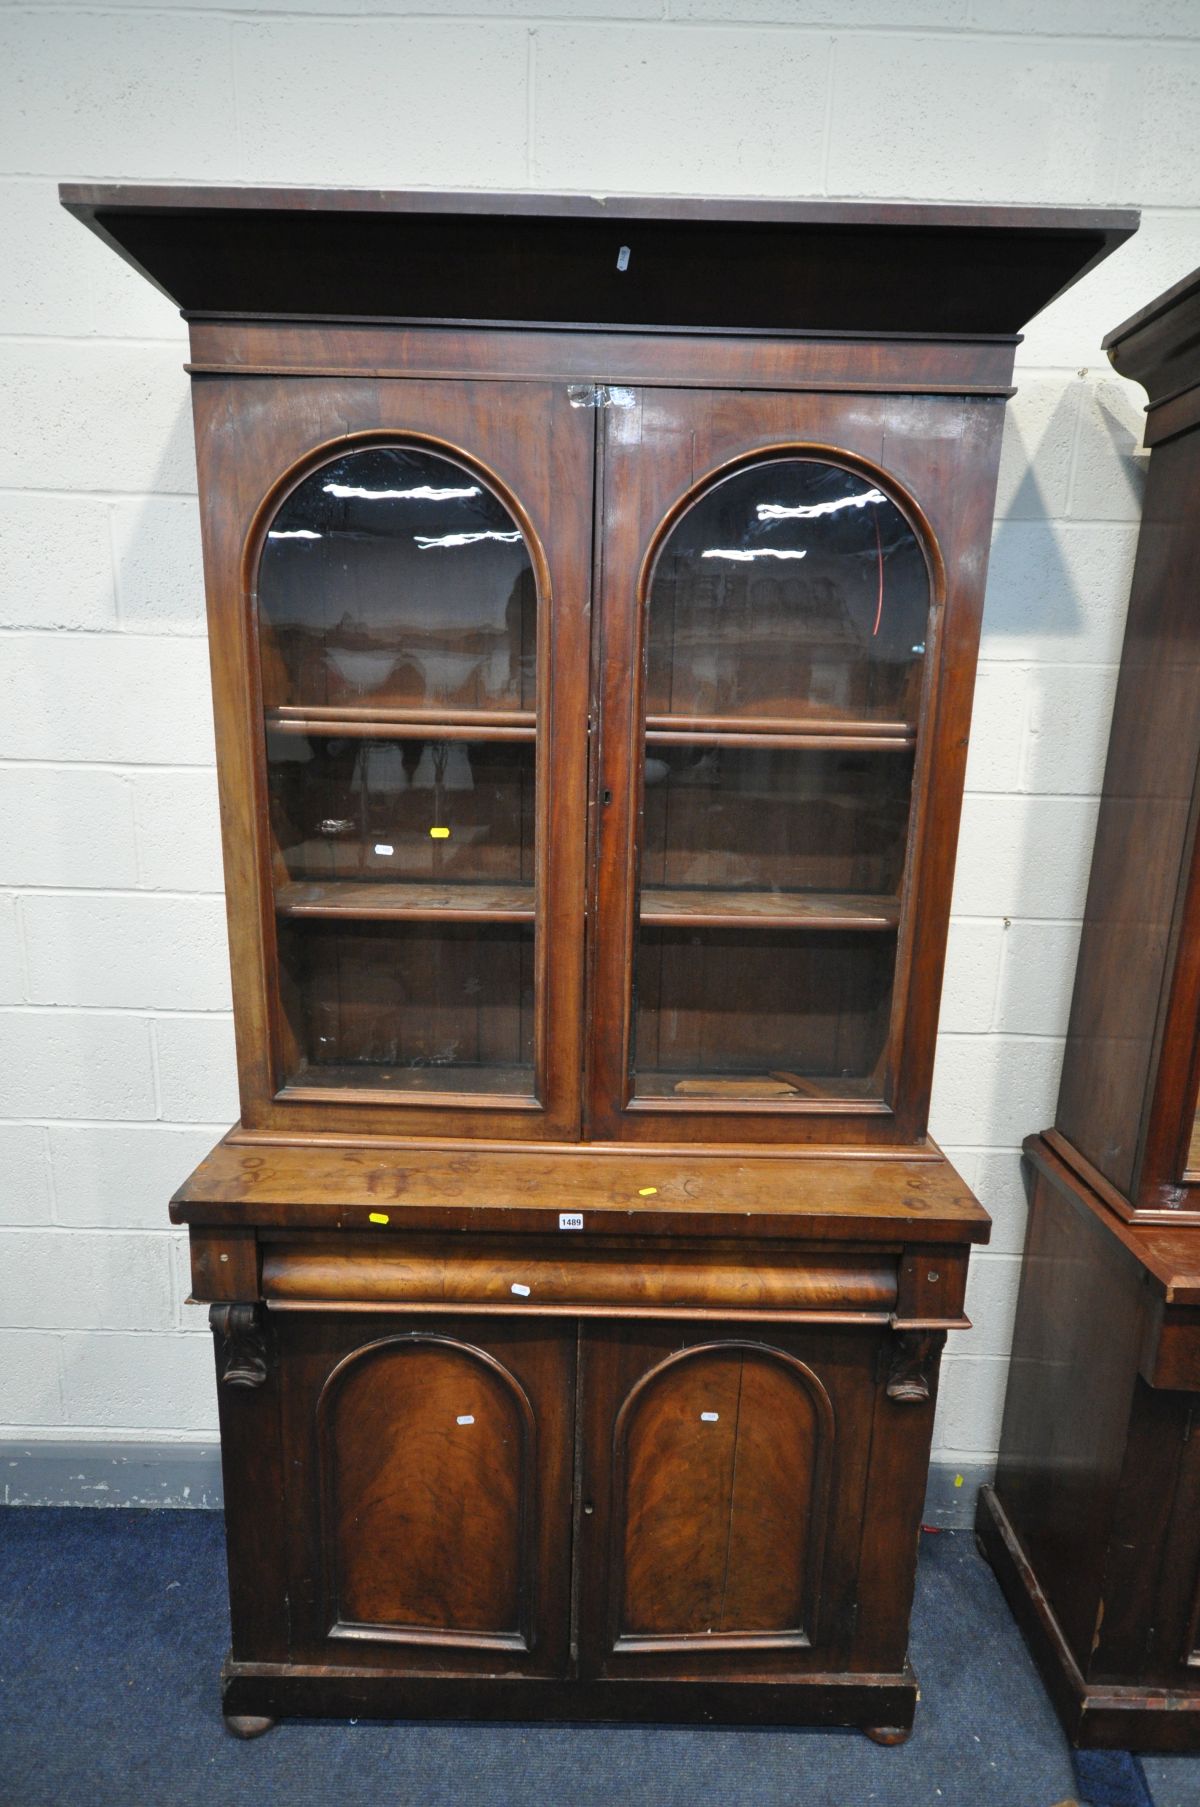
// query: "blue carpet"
[[113, 1624], [1111, 1779]]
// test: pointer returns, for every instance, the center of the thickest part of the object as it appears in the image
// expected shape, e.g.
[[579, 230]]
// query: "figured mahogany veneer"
[[594, 590], [533, 1276]]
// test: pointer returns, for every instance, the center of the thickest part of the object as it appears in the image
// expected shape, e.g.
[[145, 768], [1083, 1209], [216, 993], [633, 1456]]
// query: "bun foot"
[[247, 1725], [888, 1734]]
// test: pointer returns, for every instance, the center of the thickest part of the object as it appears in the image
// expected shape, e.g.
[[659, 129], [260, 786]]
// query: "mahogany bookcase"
[[594, 589]]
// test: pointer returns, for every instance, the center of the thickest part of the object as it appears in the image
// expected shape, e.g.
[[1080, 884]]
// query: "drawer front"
[[517, 1274]]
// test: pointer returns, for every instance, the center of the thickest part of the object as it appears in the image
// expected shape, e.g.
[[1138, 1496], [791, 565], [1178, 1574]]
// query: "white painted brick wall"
[[115, 1042]]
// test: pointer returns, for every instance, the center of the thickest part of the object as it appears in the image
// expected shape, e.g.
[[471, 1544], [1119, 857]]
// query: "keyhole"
[[588, 1508]]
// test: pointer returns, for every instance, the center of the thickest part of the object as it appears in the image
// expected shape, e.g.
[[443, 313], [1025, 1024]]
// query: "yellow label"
[[439, 834], [378, 1217], [647, 1191]]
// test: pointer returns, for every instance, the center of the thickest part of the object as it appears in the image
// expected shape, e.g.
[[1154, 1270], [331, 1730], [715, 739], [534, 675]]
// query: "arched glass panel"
[[394, 577], [398, 623], [794, 588], [786, 624]]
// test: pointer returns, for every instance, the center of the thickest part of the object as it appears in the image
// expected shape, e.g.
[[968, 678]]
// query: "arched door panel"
[[428, 1449], [780, 576], [723, 1485], [721, 1462], [432, 1494], [402, 597]]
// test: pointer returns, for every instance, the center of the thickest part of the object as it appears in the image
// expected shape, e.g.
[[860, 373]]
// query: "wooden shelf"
[[776, 1087], [368, 712], [813, 732], [404, 724], [699, 908], [511, 1083], [424, 901], [429, 900]]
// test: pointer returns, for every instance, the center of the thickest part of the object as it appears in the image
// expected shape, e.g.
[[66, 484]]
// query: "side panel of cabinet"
[[1127, 1100], [429, 1489], [256, 437], [723, 1492]]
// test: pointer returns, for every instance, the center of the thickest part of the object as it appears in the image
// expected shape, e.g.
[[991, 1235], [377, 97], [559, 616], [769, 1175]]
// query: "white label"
[[522, 1291], [382, 847], [570, 1220], [705, 1417], [467, 1418]]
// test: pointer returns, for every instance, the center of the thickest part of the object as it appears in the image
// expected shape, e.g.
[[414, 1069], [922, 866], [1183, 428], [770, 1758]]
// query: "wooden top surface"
[[1169, 1253], [1179, 296], [784, 1193], [1159, 346], [532, 258]]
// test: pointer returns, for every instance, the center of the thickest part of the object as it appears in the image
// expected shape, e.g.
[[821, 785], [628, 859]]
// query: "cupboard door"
[[772, 624], [415, 563], [430, 1520], [722, 1495]]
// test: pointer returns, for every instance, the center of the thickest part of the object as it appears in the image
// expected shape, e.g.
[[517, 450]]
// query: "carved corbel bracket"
[[914, 1362], [241, 1344]]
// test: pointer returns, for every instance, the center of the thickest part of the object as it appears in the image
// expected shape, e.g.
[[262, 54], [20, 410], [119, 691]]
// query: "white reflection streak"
[[423, 493], [808, 511], [292, 533], [464, 539], [743, 558]]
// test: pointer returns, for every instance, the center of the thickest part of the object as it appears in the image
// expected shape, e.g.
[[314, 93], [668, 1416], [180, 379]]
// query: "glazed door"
[[771, 615], [722, 1497], [429, 1495], [411, 562]]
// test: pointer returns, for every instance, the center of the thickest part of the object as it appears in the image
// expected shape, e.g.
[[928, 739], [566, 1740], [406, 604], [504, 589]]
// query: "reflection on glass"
[[402, 848], [390, 811], [760, 1015], [770, 819], [785, 640], [394, 577], [793, 588], [414, 1007]]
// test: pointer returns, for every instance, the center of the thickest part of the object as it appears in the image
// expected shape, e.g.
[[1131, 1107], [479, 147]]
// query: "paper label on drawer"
[[521, 1291], [570, 1220], [465, 1418], [384, 847], [709, 1417]]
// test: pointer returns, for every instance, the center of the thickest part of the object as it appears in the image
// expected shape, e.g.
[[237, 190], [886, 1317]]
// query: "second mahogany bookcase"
[[594, 590], [1093, 1525]]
